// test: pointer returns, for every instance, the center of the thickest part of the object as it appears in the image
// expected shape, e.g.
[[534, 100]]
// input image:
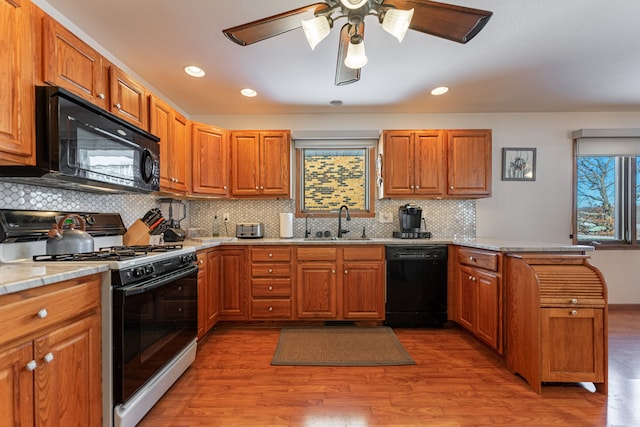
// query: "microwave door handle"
[[141, 288], [105, 133]]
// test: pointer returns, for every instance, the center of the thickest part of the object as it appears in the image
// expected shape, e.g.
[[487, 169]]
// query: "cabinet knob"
[[101, 95], [48, 357], [270, 308], [451, 187], [270, 255], [270, 288], [574, 312], [262, 187], [224, 187], [271, 270], [42, 313], [471, 259], [118, 105], [346, 271], [574, 301], [201, 262], [333, 272], [417, 187], [257, 188], [31, 366]]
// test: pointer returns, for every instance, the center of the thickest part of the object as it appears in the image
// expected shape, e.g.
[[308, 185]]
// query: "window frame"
[[626, 192], [370, 151]]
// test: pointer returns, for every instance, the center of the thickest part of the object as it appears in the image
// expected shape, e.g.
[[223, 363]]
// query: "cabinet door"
[[68, 387], [210, 160], [467, 298], [128, 98], [16, 386], [489, 312], [429, 161], [71, 63], [179, 132], [317, 290], [469, 162], [275, 159], [212, 284], [398, 163], [160, 121], [245, 164], [203, 291], [363, 290], [233, 296], [572, 345], [16, 91]]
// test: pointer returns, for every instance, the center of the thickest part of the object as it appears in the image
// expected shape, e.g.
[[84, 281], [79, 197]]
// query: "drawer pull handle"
[[31, 366], [574, 301], [48, 357], [574, 312], [270, 288], [42, 313], [270, 308]]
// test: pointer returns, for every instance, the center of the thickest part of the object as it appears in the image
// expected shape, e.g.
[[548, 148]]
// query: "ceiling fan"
[[452, 22]]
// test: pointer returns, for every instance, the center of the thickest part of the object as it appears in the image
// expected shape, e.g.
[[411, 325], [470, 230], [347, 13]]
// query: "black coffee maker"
[[410, 218]]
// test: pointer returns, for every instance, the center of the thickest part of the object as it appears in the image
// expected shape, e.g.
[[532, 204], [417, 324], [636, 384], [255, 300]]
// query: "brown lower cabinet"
[[208, 289], [50, 355]]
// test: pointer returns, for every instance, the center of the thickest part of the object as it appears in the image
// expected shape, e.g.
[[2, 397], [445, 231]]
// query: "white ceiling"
[[532, 56]]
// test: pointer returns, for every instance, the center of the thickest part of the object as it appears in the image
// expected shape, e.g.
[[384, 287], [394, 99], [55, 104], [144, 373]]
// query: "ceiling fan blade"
[[265, 28], [448, 21], [344, 74]]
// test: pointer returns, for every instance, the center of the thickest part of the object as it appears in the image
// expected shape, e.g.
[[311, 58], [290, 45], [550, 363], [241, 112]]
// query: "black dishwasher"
[[416, 286]]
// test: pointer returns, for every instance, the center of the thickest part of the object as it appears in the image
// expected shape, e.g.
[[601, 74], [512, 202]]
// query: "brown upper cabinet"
[[260, 163], [172, 129], [70, 63], [210, 157], [17, 141], [436, 163]]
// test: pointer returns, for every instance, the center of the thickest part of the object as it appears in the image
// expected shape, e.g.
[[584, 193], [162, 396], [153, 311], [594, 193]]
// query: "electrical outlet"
[[225, 217], [386, 217]]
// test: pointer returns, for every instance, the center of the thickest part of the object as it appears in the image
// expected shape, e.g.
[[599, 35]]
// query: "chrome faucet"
[[348, 218]]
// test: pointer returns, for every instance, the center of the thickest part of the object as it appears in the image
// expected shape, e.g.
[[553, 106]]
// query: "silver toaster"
[[250, 230]]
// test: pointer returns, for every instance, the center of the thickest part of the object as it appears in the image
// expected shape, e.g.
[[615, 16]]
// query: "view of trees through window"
[[607, 196]]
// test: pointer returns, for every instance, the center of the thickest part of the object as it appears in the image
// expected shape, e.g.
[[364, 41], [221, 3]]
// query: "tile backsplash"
[[444, 218]]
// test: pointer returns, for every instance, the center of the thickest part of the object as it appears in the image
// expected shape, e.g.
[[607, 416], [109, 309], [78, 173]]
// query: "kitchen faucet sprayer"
[[347, 217]]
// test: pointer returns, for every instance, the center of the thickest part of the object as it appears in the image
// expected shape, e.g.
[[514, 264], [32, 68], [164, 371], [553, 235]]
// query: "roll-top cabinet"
[[556, 308], [50, 355], [436, 163], [17, 121], [271, 283], [479, 295], [210, 160], [260, 164], [172, 129]]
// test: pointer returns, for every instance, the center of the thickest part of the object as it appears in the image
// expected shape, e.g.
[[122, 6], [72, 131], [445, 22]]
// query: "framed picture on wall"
[[518, 164]]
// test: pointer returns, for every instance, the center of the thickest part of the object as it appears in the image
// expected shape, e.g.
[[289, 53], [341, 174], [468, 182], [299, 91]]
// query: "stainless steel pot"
[[71, 241]]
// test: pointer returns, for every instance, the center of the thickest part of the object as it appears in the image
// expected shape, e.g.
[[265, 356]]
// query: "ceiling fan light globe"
[[356, 57], [396, 22], [353, 4], [315, 30]]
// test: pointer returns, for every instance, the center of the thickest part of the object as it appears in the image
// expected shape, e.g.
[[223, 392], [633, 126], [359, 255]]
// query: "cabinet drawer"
[[477, 258], [361, 252], [312, 253], [269, 288], [271, 254], [21, 318], [270, 270], [271, 309]]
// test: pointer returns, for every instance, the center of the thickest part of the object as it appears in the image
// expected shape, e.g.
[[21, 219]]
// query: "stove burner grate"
[[112, 253]]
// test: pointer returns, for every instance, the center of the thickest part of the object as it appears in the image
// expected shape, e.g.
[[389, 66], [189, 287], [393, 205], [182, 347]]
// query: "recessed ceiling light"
[[194, 71], [248, 92], [440, 90]]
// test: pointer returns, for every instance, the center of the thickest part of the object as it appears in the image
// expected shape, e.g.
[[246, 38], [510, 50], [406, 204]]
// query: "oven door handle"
[[157, 282]]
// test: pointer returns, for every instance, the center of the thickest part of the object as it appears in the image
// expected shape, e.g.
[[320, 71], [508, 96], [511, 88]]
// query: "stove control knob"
[[138, 272], [148, 269]]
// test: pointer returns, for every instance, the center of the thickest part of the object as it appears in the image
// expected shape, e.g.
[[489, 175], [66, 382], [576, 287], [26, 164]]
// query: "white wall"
[[533, 211]]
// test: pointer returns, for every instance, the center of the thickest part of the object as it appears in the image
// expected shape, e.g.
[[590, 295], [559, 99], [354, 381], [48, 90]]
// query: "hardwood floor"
[[456, 382]]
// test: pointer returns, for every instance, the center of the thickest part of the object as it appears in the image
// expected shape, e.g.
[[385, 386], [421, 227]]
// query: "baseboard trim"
[[624, 306]]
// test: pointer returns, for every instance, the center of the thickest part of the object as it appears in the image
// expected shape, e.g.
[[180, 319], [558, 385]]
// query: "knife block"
[[137, 234]]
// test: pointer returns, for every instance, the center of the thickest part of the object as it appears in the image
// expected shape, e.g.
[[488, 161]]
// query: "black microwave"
[[83, 147]]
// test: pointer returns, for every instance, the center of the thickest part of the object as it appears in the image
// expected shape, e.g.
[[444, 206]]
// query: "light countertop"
[[15, 277]]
